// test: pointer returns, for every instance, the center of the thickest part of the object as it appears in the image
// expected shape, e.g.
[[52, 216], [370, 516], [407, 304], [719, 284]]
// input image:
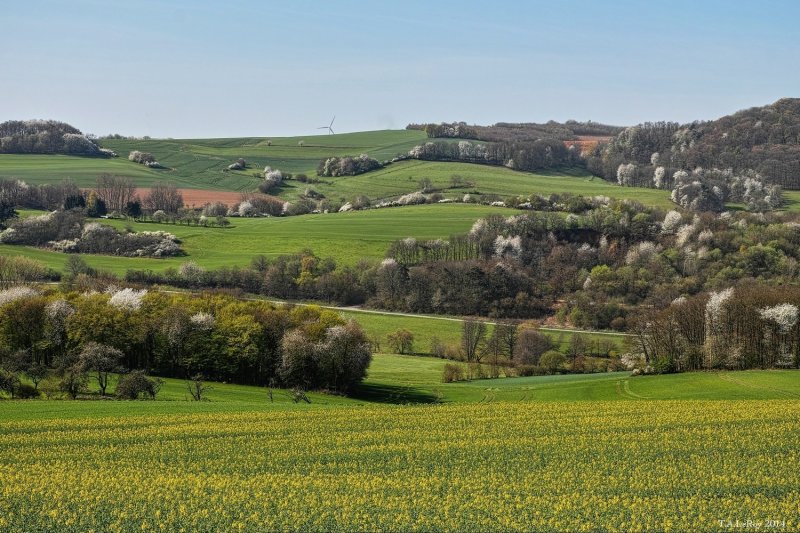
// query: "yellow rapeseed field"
[[623, 466]]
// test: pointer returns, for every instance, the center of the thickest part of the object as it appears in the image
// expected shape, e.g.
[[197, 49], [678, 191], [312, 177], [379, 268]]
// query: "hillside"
[[346, 237], [763, 140], [202, 164]]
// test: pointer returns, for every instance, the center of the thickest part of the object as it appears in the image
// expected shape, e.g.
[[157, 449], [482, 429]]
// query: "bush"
[[26, 391], [475, 370], [143, 158], [347, 166], [401, 341], [438, 348], [9, 382], [136, 384], [74, 381], [239, 164], [452, 372], [552, 361]]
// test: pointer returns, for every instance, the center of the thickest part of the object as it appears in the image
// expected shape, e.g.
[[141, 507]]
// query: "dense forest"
[[46, 137], [518, 132], [216, 336], [761, 141]]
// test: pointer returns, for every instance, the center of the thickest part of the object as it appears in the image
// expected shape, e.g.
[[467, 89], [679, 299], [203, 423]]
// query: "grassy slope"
[[199, 163], [404, 176], [412, 379], [425, 328], [347, 237]]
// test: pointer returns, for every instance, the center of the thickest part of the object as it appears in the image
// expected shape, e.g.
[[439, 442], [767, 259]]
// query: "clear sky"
[[196, 68]]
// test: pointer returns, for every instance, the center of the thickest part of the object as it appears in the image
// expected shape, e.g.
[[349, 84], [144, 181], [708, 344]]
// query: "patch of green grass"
[[346, 237], [39, 169], [420, 377], [448, 330], [202, 164], [404, 177], [414, 379]]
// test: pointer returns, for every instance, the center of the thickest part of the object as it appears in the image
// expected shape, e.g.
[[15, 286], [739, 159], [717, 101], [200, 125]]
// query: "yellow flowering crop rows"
[[661, 465]]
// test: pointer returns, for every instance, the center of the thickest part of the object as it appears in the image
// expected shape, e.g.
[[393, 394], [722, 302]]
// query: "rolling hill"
[[202, 164]]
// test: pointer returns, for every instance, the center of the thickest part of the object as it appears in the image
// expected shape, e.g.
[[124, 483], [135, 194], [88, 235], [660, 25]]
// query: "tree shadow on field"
[[394, 394]]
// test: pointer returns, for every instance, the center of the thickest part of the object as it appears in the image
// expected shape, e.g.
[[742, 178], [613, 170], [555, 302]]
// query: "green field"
[[347, 237], [200, 163], [605, 452], [403, 177], [448, 330]]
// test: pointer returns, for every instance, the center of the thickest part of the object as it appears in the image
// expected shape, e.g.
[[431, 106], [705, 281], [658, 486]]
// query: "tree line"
[[530, 156], [516, 132], [221, 338], [594, 268], [747, 326]]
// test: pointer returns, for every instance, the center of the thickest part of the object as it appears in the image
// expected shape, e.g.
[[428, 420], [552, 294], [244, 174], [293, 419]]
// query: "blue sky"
[[238, 68]]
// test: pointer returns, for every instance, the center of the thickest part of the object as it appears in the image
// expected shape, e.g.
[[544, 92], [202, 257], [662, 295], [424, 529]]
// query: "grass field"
[[347, 237], [404, 177], [199, 164], [508, 454], [448, 330]]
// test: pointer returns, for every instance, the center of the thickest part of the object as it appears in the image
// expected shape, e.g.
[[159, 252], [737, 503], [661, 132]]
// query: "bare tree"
[[116, 191], [473, 334], [197, 387], [164, 197]]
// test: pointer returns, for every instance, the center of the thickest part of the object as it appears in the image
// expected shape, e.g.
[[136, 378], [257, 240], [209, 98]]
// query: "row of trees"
[[111, 194], [594, 268], [176, 335], [749, 326], [534, 155], [512, 132]]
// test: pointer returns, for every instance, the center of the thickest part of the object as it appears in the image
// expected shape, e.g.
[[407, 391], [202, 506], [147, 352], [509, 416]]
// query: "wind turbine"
[[329, 127]]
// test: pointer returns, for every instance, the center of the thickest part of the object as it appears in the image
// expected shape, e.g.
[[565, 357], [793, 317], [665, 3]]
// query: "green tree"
[[401, 341], [95, 206], [552, 361]]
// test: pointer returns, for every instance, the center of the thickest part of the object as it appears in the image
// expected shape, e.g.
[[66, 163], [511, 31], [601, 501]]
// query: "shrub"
[[9, 382], [214, 209], [452, 372], [475, 370], [401, 341], [143, 158], [26, 391], [552, 361], [347, 166], [438, 348], [136, 384], [239, 164], [74, 381]]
